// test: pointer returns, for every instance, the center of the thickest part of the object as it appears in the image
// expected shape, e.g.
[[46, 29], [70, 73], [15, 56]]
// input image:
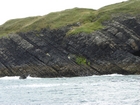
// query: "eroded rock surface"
[[50, 53]]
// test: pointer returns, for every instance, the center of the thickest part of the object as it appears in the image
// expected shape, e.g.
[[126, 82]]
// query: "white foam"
[[108, 75], [9, 78], [16, 77], [111, 75], [29, 77]]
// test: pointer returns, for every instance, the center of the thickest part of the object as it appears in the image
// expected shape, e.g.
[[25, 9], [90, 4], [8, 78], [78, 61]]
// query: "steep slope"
[[52, 20], [88, 43]]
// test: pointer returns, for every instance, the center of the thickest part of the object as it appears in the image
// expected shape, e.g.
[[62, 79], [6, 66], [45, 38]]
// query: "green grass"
[[89, 27], [129, 7], [52, 20], [90, 20]]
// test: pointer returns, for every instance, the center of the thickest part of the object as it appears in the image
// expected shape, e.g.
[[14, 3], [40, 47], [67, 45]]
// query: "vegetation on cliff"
[[83, 20]]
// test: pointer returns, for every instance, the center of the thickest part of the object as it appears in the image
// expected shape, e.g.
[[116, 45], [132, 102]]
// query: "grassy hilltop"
[[89, 20]]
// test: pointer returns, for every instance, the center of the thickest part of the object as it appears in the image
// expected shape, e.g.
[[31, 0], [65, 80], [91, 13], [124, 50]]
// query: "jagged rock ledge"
[[50, 53]]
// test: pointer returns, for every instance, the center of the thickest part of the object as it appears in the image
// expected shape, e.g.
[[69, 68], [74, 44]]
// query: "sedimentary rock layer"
[[51, 53]]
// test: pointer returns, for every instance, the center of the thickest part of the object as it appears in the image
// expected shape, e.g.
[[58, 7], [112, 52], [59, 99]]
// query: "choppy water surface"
[[93, 90]]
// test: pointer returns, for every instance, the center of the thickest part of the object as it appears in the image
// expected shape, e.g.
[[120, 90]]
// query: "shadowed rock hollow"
[[50, 53]]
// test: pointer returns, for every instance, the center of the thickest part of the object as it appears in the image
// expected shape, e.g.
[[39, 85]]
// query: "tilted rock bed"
[[51, 53]]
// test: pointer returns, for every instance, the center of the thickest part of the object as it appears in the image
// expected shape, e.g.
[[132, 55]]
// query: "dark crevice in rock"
[[137, 53]]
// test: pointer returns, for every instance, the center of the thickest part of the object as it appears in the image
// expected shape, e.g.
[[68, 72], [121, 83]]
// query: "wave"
[[113, 75], [16, 78], [29, 77], [9, 77], [108, 75]]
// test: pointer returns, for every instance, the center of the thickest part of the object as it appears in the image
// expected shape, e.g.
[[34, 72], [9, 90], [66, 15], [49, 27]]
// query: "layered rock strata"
[[51, 53]]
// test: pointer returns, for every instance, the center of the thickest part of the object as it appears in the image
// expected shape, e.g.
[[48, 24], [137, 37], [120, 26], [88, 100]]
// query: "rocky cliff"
[[51, 53]]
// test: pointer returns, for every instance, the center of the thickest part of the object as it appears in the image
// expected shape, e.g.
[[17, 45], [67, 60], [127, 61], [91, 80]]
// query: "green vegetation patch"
[[81, 60]]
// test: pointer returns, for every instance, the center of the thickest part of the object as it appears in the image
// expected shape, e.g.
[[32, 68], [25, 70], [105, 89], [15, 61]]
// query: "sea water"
[[92, 90]]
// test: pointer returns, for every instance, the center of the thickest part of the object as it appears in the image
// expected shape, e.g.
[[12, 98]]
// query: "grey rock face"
[[50, 53]]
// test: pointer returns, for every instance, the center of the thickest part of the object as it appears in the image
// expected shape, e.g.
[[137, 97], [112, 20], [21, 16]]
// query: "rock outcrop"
[[50, 53]]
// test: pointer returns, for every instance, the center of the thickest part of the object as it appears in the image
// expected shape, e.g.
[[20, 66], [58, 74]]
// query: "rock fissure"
[[137, 53]]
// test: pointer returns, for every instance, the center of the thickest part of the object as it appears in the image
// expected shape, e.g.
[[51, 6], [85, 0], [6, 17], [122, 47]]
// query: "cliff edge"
[[51, 52]]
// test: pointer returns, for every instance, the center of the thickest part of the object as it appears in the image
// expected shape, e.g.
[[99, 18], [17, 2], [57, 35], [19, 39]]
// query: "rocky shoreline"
[[51, 53]]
